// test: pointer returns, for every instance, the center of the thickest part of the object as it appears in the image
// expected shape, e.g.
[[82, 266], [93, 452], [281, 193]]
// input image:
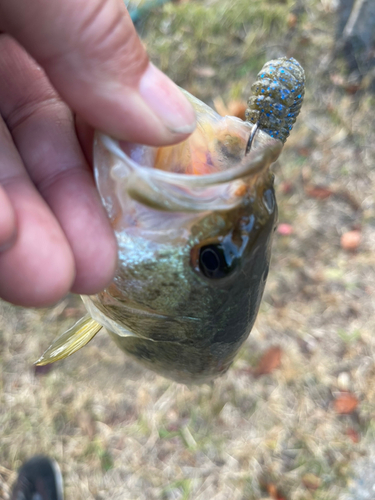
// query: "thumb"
[[95, 60]]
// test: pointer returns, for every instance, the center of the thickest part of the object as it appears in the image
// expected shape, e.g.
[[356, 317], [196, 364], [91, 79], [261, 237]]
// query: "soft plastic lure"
[[277, 97]]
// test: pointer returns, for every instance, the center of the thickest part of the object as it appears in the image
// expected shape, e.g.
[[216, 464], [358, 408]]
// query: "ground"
[[294, 418]]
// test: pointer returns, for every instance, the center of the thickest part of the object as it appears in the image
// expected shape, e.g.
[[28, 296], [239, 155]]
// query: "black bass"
[[194, 224]]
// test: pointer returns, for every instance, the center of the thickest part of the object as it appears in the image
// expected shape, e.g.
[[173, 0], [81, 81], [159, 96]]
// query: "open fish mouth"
[[208, 171]]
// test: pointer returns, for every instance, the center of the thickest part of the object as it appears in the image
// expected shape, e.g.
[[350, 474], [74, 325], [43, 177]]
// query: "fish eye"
[[214, 262]]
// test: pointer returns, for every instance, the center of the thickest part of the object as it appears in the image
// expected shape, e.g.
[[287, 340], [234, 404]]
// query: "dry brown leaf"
[[351, 86], [292, 20], [273, 492], [350, 241], [234, 108], [270, 360], [286, 187], [345, 403], [311, 481], [237, 108], [318, 192]]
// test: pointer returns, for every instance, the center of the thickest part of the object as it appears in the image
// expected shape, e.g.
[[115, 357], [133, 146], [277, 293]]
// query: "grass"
[[120, 431]]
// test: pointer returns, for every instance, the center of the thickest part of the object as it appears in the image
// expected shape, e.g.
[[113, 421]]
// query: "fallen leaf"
[[352, 88], [270, 360], [237, 108], [318, 192], [304, 39], [350, 85], [274, 492], [353, 435], [292, 20], [286, 187], [345, 403], [311, 481], [350, 241], [285, 229], [234, 108], [304, 151]]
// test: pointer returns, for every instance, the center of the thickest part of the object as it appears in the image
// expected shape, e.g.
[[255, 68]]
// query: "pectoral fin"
[[71, 341]]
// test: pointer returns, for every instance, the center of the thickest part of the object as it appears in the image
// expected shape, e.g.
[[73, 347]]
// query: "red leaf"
[[345, 403], [274, 492], [286, 187], [318, 192], [353, 435], [270, 360]]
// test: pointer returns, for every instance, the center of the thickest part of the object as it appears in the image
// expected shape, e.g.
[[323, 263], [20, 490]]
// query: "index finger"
[[94, 58]]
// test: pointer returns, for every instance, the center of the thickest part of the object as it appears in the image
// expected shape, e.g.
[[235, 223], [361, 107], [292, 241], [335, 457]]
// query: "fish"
[[194, 225]]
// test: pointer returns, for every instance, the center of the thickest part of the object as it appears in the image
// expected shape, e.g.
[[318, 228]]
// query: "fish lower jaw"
[[117, 328]]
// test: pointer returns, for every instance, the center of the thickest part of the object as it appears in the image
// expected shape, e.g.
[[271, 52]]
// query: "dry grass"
[[122, 432]]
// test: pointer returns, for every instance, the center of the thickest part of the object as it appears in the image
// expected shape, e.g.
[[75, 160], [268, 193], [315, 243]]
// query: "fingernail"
[[166, 100]]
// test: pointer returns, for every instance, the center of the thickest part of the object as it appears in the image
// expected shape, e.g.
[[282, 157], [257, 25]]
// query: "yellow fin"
[[71, 341]]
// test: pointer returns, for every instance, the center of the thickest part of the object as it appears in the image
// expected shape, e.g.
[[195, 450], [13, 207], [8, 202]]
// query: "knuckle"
[[108, 36]]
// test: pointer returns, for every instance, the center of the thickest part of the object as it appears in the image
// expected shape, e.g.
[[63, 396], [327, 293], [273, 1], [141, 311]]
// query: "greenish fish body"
[[194, 224], [165, 311]]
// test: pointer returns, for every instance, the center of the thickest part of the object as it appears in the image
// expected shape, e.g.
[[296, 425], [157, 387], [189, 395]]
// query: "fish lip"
[[174, 192], [258, 160]]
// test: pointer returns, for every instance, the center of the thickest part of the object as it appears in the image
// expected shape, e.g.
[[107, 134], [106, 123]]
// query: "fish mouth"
[[210, 170]]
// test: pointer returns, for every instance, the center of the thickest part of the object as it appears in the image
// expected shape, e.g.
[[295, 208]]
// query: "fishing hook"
[[251, 138]]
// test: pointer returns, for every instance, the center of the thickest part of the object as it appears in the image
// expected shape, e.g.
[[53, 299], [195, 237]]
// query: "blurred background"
[[294, 418]]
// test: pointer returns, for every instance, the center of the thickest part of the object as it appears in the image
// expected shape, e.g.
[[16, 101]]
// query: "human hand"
[[60, 60]]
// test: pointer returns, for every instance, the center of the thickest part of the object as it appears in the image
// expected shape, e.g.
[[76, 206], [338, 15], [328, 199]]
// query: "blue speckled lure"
[[277, 97]]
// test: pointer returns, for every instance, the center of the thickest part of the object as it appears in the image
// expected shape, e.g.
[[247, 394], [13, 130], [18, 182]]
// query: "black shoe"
[[38, 479]]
